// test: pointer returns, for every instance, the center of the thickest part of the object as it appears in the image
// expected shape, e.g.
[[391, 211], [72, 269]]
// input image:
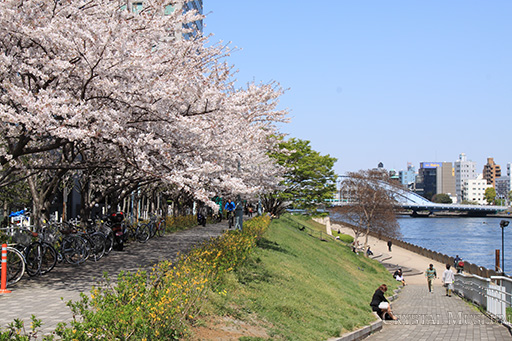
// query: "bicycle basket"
[[50, 237], [22, 237]]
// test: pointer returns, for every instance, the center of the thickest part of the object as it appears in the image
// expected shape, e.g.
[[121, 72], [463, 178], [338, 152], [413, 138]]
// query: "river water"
[[473, 239]]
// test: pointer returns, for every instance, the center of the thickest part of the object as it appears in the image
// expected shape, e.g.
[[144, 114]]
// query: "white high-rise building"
[[464, 170]]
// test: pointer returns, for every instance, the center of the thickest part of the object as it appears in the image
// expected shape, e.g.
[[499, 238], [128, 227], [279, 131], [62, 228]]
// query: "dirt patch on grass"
[[229, 328]]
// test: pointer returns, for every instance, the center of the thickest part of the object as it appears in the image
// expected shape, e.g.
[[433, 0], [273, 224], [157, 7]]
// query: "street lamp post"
[[503, 224]]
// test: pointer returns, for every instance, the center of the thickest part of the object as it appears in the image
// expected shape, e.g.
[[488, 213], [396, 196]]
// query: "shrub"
[[346, 238], [178, 223], [160, 303]]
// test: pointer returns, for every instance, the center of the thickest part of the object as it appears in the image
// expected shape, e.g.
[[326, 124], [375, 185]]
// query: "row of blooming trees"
[[119, 101]]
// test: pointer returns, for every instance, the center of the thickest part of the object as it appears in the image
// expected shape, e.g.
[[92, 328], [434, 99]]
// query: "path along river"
[[473, 239]]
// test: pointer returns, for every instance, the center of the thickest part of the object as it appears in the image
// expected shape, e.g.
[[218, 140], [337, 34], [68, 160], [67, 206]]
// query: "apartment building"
[[474, 190], [491, 171]]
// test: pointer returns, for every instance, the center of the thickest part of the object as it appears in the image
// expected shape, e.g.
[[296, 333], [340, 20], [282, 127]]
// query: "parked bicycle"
[[15, 265], [138, 232], [15, 261]]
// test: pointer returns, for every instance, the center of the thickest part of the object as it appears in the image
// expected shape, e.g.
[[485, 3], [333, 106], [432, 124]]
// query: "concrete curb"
[[362, 333], [366, 331]]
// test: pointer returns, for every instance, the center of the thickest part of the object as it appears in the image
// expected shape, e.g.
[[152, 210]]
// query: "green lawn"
[[306, 288]]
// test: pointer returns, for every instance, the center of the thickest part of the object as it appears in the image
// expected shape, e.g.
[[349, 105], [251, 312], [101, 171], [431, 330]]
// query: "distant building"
[[445, 180], [193, 28], [474, 190], [393, 175], [464, 170], [503, 184], [426, 184], [491, 171], [408, 177]]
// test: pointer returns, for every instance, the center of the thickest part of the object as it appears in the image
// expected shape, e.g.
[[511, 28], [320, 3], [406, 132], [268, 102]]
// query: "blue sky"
[[381, 81]]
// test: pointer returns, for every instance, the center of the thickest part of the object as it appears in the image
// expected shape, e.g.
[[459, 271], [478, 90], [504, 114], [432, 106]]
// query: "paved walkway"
[[46, 296], [422, 315], [426, 316]]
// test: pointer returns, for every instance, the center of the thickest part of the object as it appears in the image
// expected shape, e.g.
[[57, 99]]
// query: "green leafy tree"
[[442, 198], [490, 194], [309, 178]]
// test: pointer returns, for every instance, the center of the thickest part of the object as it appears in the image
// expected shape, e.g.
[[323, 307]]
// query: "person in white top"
[[448, 280]]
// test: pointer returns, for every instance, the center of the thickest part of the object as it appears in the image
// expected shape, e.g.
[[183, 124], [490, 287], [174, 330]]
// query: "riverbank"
[[398, 257], [420, 312]]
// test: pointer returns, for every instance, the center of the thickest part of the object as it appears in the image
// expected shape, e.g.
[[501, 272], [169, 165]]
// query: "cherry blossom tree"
[[80, 76]]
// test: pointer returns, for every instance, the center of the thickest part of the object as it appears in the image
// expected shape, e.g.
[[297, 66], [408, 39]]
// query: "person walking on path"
[[456, 260], [380, 304], [448, 280], [431, 275], [389, 245]]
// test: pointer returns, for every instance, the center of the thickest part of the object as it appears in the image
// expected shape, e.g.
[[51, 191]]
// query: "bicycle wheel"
[[160, 228], [230, 220], [15, 265], [34, 258], [49, 258], [152, 229], [142, 233], [109, 243], [74, 250], [98, 240]]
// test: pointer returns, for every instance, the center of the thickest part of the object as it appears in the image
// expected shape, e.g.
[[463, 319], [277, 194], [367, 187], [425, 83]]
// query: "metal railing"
[[492, 294]]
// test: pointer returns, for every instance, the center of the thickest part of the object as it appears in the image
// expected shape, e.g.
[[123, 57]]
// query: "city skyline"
[[374, 81], [417, 166]]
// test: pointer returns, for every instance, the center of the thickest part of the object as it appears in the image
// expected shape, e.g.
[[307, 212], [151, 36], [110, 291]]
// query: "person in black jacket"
[[380, 304]]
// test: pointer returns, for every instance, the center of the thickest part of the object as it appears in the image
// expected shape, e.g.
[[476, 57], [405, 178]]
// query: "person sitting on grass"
[[381, 305], [399, 276]]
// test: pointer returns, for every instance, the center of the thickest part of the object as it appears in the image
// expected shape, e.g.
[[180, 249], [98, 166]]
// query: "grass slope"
[[307, 289]]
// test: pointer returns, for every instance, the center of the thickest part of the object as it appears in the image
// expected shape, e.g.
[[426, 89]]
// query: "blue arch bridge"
[[419, 206]]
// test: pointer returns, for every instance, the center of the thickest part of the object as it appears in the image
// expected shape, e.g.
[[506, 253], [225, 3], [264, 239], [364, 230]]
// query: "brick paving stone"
[[434, 316], [46, 296]]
